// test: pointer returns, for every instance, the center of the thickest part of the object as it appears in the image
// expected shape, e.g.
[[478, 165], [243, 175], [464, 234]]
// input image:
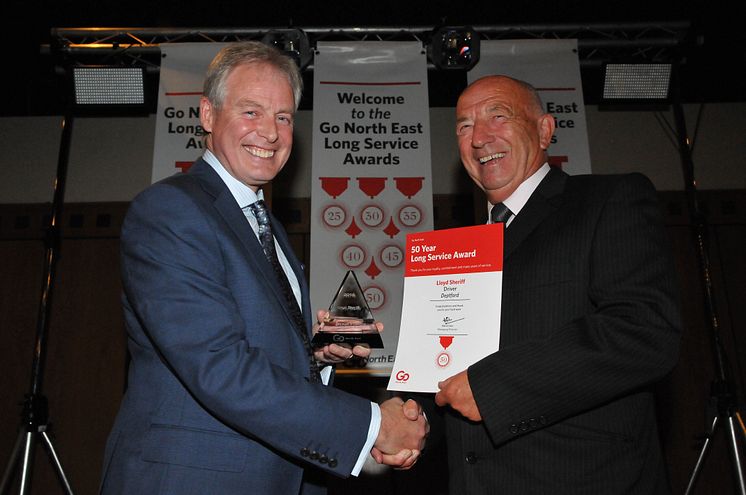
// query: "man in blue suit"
[[225, 394]]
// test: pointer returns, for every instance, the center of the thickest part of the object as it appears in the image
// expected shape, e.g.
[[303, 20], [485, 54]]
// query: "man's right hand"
[[402, 435]]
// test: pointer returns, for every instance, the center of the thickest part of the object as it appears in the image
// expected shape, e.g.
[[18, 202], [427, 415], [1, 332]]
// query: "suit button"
[[513, 429], [304, 452], [471, 458], [314, 455], [542, 420], [332, 462], [323, 459], [524, 426], [533, 423]]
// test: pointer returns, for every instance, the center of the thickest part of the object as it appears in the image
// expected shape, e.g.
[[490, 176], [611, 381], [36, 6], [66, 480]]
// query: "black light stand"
[[722, 403], [35, 423]]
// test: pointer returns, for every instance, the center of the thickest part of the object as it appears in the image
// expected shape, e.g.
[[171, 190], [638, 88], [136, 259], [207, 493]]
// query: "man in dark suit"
[[225, 393], [590, 318]]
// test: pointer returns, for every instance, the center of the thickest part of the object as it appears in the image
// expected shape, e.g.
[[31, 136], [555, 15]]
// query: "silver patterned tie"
[[267, 240]]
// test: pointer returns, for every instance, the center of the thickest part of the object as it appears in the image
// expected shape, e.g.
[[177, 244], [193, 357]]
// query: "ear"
[[206, 114], [546, 130]]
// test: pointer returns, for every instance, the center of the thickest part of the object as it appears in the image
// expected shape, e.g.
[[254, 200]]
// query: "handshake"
[[401, 437], [403, 424]]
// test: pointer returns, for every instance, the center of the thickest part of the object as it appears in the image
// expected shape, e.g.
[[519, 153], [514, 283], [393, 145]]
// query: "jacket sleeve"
[[182, 292], [625, 338]]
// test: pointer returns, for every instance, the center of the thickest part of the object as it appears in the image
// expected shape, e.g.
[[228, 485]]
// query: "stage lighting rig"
[[293, 42], [636, 81], [454, 48]]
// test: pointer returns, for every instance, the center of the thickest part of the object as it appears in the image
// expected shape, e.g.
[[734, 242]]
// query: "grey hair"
[[248, 52]]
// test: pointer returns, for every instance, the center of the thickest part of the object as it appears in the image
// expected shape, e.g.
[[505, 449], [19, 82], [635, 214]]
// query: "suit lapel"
[[544, 201], [226, 206], [295, 265]]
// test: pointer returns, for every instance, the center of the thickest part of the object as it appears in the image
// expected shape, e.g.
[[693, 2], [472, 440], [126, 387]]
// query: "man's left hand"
[[456, 392], [336, 353]]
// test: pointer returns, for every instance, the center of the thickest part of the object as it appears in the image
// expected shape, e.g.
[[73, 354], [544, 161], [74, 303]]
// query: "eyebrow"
[[247, 102]]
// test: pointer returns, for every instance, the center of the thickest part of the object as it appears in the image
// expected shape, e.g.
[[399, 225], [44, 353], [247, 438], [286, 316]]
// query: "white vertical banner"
[[178, 133], [371, 174], [553, 68]]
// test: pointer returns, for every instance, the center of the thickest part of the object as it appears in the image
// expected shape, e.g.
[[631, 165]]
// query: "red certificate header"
[[462, 250]]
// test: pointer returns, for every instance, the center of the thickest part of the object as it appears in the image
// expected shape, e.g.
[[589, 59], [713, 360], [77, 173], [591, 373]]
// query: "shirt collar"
[[520, 196], [243, 194]]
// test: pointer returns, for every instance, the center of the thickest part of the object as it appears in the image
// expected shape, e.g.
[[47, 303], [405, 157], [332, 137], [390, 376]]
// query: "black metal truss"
[[597, 43]]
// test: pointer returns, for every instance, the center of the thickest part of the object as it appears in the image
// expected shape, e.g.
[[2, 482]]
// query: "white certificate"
[[451, 307]]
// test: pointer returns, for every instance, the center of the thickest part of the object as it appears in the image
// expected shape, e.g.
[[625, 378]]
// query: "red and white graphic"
[[370, 158], [410, 215], [391, 229], [443, 359], [372, 215], [372, 271], [334, 186], [353, 230], [353, 256], [375, 296], [391, 256], [452, 295], [371, 186], [409, 186], [402, 376], [334, 216]]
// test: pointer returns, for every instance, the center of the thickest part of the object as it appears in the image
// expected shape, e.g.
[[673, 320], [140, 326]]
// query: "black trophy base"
[[371, 339], [362, 334]]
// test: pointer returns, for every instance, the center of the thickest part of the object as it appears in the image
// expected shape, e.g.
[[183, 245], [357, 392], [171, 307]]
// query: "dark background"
[[714, 52], [84, 379]]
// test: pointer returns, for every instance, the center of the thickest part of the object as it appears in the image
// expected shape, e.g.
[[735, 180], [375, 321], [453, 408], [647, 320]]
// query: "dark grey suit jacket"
[[590, 320]]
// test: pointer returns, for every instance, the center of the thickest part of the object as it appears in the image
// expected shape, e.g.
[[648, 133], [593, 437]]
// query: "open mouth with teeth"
[[260, 152], [488, 158]]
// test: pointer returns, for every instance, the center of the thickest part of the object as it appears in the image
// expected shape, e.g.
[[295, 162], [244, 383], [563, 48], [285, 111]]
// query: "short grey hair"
[[244, 53]]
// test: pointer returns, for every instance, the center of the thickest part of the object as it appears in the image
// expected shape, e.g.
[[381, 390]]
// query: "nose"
[[267, 129], [480, 135]]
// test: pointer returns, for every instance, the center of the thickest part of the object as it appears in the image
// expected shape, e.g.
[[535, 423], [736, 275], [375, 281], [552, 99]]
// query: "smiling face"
[[502, 134], [251, 132]]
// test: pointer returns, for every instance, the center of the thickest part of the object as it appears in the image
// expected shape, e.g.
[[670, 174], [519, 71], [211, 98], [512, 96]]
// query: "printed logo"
[[402, 376]]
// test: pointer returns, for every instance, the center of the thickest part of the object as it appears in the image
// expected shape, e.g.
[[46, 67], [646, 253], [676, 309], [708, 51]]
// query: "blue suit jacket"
[[218, 398]]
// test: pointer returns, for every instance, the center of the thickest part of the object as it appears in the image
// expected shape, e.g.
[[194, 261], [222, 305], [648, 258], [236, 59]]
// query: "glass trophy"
[[350, 320]]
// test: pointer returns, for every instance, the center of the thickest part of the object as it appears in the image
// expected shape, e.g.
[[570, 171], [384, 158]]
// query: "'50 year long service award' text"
[[451, 307]]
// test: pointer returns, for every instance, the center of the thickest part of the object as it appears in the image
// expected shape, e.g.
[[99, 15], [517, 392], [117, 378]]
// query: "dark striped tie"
[[500, 213], [268, 244]]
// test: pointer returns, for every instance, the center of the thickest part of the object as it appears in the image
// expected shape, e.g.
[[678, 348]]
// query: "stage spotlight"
[[454, 48], [636, 81], [293, 42], [109, 85]]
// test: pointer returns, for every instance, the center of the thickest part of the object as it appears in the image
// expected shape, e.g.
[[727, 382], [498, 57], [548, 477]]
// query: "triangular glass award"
[[350, 320]]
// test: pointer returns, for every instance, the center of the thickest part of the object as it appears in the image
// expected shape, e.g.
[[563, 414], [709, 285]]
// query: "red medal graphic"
[[444, 359]]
